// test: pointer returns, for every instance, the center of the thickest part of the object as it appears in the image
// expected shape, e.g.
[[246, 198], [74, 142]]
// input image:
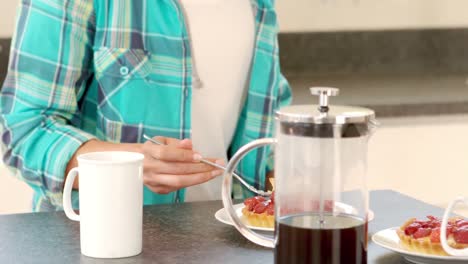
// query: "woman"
[[85, 76]]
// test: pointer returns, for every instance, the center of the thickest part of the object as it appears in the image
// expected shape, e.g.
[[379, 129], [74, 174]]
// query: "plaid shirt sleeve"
[[285, 95], [284, 99], [50, 64]]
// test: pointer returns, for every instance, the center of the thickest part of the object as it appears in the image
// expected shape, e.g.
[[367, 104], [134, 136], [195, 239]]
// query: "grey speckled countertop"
[[182, 233]]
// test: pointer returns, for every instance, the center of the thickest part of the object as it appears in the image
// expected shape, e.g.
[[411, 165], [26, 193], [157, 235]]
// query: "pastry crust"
[[425, 245], [421, 245], [258, 220]]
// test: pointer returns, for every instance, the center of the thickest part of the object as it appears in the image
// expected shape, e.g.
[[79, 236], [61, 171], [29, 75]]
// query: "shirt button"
[[124, 70]]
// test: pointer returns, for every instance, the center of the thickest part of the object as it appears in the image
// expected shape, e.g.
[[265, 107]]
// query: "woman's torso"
[[222, 38], [143, 83]]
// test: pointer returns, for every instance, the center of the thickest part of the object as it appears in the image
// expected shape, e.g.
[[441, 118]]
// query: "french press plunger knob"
[[324, 93]]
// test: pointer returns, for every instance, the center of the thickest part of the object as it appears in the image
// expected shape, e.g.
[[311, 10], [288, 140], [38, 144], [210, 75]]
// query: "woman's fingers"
[[184, 143], [174, 165], [166, 183], [178, 168], [170, 153]]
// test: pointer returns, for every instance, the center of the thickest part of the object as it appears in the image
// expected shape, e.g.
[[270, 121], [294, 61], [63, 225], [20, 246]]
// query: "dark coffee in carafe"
[[340, 239]]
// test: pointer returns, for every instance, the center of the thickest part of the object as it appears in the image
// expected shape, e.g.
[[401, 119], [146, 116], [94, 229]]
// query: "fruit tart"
[[259, 211], [423, 236]]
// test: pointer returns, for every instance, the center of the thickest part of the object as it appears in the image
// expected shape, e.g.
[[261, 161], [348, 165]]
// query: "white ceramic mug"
[[111, 203], [443, 229]]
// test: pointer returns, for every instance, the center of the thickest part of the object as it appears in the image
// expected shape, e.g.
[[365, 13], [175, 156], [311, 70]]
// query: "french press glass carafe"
[[321, 196]]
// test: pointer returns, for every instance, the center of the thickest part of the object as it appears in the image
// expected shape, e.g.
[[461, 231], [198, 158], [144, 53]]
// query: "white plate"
[[222, 216], [389, 239]]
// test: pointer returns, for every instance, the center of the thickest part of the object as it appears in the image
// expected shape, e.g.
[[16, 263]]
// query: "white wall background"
[[7, 17], [15, 196], [324, 15], [424, 157]]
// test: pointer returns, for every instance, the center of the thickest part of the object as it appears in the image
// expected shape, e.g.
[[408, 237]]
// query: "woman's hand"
[[175, 165], [166, 168]]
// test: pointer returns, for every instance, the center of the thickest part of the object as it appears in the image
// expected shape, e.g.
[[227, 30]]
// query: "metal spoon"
[[248, 186]]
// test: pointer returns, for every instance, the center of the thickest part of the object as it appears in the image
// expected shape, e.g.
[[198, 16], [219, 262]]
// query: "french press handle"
[[227, 199]]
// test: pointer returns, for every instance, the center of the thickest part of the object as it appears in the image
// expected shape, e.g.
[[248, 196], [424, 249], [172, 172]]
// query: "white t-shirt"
[[222, 35]]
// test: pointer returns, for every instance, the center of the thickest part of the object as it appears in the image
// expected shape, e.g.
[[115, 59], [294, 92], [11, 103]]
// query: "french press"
[[321, 196]]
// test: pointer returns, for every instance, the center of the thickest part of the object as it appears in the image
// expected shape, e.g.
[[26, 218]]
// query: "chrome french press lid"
[[325, 120]]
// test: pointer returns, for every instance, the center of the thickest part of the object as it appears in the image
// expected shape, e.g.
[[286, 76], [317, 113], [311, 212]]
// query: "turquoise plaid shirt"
[[115, 70]]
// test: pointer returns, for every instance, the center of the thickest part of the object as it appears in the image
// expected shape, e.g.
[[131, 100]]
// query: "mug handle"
[[227, 199], [67, 190], [443, 229]]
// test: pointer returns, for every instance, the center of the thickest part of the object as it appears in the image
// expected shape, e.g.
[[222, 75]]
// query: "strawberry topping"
[[251, 206], [329, 206], [251, 202], [461, 223], [435, 235], [412, 228], [270, 209], [259, 204], [260, 208], [461, 235], [422, 232], [431, 228]]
